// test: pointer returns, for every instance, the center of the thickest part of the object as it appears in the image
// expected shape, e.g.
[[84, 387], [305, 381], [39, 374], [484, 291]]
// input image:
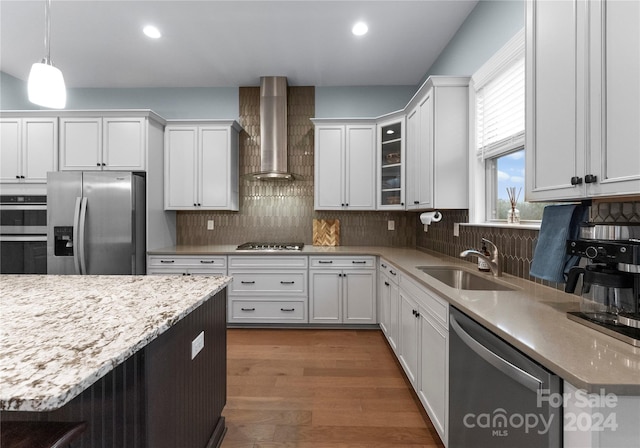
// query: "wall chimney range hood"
[[273, 130]]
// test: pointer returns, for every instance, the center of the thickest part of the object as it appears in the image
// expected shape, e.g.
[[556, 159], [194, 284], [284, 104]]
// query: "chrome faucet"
[[493, 262]]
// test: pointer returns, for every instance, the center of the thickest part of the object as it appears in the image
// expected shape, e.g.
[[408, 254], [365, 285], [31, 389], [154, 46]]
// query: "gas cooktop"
[[271, 246]]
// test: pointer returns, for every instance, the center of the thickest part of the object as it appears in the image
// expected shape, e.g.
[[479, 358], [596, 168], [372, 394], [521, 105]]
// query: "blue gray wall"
[[487, 28]]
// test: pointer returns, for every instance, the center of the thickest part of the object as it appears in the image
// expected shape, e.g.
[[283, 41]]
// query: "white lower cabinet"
[[342, 290], [423, 349], [268, 289], [388, 299], [186, 265]]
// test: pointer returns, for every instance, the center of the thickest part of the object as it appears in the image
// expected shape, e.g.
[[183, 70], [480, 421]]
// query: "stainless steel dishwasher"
[[498, 397]]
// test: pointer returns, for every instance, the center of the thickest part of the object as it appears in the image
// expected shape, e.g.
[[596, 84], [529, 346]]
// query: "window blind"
[[500, 111]]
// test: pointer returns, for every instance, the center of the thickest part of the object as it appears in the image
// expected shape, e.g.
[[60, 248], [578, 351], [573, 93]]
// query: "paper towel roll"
[[427, 218]]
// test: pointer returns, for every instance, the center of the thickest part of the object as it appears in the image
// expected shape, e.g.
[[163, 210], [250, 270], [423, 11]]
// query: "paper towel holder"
[[427, 218]]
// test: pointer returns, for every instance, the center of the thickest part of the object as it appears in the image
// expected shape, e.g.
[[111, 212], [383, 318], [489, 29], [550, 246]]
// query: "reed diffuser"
[[513, 215]]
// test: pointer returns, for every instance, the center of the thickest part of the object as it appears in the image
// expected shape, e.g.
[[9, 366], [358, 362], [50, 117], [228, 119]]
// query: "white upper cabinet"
[[103, 143], [201, 165], [583, 99], [28, 149], [345, 165], [391, 170], [438, 145]]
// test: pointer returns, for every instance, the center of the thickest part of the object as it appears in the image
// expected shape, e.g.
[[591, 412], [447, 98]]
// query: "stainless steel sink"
[[461, 279]]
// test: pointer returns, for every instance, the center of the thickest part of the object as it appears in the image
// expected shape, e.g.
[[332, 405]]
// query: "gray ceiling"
[[230, 43]]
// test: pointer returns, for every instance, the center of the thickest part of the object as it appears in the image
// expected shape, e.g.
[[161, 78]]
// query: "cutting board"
[[326, 232]]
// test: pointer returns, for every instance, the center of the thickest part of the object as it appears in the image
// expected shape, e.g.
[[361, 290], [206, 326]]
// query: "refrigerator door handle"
[[76, 235], [81, 236]]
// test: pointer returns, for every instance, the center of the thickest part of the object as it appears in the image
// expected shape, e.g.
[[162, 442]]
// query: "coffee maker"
[[610, 295]]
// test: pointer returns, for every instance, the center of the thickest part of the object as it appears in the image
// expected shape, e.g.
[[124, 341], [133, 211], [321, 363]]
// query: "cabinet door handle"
[[416, 202], [247, 282], [248, 309], [167, 261], [590, 178], [287, 309], [575, 180], [325, 261], [402, 203], [386, 284], [185, 273], [358, 262], [392, 272], [207, 261], [98, 164], [286, 283], [383, 265], [17, 176]]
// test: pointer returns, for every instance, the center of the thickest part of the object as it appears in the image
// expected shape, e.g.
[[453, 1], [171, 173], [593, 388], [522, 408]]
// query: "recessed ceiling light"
[[360, 29], [152, 32], [390, 131]]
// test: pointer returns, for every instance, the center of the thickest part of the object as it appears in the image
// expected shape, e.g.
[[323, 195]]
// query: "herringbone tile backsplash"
[[283, 211]]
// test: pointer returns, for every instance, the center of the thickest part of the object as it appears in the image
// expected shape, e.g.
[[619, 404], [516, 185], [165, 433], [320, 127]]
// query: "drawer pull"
[[247, 282], [386, 284], [358, 262], [207, 261], [287, 309], [286, 283], [384, 265], [167, 261], [248, 309], [391, 272], [325, 261]]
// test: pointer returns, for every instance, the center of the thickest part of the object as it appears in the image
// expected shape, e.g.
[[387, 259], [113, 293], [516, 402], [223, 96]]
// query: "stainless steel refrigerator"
[[96, 223]]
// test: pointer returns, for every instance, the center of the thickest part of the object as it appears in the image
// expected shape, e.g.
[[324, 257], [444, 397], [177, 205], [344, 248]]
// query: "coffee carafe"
[[606, 292]]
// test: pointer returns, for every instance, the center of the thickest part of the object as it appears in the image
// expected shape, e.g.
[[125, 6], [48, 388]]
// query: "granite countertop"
[[532, 317], [61, 333]]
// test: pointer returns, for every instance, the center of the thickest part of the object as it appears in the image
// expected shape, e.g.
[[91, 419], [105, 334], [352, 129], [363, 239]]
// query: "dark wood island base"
[[159, 397]]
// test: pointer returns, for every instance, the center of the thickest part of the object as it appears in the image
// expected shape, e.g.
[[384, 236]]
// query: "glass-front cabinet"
[[391, 156]]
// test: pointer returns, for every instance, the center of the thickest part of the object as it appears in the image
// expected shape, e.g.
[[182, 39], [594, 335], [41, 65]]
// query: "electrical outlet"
[[456, 229], [210, 224], [391, 225], [197, 345]]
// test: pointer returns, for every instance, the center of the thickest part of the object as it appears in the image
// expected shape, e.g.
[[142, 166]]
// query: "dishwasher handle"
[[512, 371]]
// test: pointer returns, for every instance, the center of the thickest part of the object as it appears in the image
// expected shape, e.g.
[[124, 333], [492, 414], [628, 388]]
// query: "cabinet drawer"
[[184, 271], [436, 306], [268, 311], [284, 261], [187, 261], [390, 270], [269, 283], [343, 262]]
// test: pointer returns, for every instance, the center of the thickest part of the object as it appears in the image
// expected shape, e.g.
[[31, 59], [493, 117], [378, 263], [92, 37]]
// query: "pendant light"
[[46, 85]]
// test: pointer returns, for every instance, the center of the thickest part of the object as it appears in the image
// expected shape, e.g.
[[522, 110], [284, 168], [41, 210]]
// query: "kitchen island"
[[141, 359]]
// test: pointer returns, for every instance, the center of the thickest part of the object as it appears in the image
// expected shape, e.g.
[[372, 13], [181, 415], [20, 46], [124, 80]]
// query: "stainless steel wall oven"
[[23, 234]]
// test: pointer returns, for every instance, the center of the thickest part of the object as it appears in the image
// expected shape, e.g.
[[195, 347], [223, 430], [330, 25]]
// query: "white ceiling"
[[230, 43]]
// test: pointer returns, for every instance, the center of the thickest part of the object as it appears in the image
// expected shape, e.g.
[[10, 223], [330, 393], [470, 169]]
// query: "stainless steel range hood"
[[273, 130]]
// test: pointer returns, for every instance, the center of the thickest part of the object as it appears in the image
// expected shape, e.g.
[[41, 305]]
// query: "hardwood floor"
[[319, 388]]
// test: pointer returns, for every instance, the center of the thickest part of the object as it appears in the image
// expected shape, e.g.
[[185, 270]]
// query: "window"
[[499, 106]]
